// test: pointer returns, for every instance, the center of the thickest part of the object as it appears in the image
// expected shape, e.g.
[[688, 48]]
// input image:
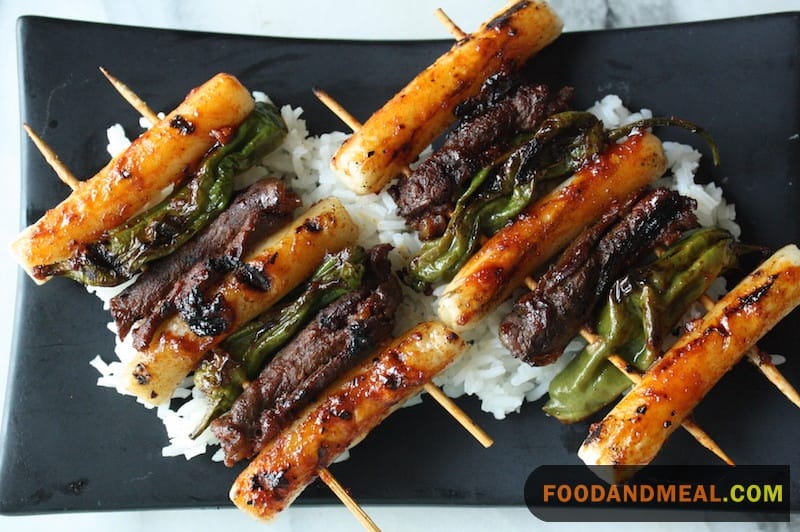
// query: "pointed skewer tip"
[[61, 170]]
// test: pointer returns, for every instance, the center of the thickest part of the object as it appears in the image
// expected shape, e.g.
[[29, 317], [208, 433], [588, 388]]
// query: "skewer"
[[759, 359], [763, 362], [131, 97], [337, 109], [691, 427], [445, 402], [347, 500], [756, 356], [61, 170], [460, 416], [343, 114], [67, 176], [448, 23]]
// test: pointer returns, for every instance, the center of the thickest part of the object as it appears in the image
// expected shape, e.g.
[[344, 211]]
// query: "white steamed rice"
[[501, 382]]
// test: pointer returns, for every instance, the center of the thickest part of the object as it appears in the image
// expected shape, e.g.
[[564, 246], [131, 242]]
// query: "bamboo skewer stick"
[[337, 109], [453, 409], [61, 170], [448, 23], [131, 97], [763, 362], [691, 427], [347, 500], [343, 114]]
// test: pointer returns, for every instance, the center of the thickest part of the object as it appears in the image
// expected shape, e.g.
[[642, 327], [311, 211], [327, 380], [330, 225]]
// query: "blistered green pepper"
[[661, 121], [240, 358], [122, 251], [563, 144], [642, 308], [497, 193]]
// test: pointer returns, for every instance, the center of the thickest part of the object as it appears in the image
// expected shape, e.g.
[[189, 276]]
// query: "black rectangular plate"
[[70, 445]]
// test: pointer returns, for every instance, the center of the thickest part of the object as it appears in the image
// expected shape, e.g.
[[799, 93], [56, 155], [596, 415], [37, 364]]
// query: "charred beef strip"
[[544, 320], [341, 333], [488, 124], [254, 213]]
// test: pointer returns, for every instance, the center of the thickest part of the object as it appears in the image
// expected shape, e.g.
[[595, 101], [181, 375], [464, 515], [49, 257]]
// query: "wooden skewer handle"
[[454, 410], [131, 97], [357, 511], [337, 109], [457, 33], [61, 170], [764, 363]]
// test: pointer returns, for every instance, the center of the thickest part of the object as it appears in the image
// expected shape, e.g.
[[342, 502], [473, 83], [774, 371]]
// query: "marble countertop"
[[359, 19]]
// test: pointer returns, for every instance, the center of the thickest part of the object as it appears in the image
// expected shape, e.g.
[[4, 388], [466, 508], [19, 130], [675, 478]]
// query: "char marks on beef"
[[487, 125], [544, 320], [177, 281], [341, 333]]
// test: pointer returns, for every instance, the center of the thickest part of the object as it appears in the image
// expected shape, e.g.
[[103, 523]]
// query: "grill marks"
[[544, 320], [488, 124], [178, 281], [342, 333]]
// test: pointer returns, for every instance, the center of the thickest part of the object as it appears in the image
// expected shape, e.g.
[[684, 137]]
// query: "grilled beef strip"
[[488, 124], [543, 321], [341, 333], [180, 278]]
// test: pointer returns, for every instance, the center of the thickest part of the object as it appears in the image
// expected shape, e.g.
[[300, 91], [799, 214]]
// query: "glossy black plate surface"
[[69, 445]]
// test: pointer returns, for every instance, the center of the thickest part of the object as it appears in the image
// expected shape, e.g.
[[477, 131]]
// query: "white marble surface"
[[360, 19]]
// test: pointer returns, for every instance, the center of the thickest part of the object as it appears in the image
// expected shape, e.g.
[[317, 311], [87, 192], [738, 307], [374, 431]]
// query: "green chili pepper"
[[657, 121], [445, 255], [563, 144], [122, 251], [497, 193], [240, 358], [641, 309]]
